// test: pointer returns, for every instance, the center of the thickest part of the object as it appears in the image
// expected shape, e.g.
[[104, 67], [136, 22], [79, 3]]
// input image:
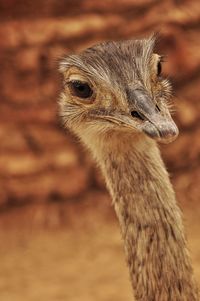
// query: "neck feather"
[[149, 217]]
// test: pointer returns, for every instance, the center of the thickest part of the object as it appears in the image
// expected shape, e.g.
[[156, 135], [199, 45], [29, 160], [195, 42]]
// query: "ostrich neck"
[[149, 217]]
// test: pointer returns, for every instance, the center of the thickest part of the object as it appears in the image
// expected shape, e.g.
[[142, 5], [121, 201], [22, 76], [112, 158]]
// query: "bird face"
[[117, 86]]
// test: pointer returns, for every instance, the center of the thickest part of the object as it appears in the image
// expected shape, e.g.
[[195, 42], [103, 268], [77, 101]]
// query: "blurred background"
[[59, 237]]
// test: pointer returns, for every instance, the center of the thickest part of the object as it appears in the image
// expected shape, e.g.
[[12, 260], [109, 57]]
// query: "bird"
[[116, 100]]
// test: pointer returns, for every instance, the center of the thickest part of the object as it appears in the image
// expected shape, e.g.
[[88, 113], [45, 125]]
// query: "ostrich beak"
[[153, 122]]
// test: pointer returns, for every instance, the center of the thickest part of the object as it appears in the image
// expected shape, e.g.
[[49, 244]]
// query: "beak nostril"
[[136, 115], [157, 107]]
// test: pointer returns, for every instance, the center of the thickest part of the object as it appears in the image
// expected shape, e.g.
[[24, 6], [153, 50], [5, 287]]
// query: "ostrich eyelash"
[[163, 58]]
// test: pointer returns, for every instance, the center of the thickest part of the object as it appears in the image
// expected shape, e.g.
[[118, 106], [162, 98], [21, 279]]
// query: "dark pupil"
[[159, 68], [81, 89]]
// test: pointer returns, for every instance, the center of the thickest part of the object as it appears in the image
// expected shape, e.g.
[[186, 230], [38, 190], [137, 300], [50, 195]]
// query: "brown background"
[[59, 236]]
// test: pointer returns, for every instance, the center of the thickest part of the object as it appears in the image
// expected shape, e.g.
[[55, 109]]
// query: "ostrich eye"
[[80, 89], [159, 68]]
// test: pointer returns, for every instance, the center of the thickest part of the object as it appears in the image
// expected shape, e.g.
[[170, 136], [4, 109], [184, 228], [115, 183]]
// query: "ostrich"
[[115, 100]]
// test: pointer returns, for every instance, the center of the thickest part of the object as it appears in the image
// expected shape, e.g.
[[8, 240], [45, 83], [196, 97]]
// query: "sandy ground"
[[71, 252]]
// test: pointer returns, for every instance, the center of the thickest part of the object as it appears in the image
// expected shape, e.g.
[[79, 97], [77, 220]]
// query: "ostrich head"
[[117, 87]]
